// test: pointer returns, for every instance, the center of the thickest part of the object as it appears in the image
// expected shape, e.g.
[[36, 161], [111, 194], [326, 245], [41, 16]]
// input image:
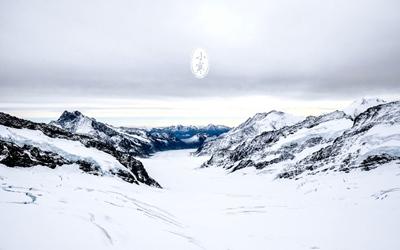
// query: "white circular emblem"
[[199, 64]]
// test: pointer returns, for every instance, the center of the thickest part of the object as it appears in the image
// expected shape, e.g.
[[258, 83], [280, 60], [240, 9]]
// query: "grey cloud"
[[130, 49]]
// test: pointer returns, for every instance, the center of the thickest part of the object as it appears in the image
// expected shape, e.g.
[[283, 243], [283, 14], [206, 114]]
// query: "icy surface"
[[204, 208]]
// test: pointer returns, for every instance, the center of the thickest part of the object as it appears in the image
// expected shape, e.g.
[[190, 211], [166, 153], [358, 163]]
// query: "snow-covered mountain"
[[25, 144], [283, 146], [373, 140], [359, 106], [334, 141], [134, 141], [252, 127]]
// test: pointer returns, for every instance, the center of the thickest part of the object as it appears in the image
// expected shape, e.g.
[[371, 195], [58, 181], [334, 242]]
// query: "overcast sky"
[[128, 62]]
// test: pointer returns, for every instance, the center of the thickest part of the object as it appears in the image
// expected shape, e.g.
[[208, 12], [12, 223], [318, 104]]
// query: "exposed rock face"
[[13, 155], [134, 173]]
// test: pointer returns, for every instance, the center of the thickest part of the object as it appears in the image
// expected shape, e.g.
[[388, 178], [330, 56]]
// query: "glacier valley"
[[198, 208]]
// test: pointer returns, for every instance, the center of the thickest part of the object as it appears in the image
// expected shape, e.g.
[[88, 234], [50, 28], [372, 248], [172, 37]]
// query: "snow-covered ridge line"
[[29, 143], [270, 121], [285, 145]]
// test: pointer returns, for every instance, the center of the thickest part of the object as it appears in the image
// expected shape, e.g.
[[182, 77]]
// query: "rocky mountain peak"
[[67, 115]]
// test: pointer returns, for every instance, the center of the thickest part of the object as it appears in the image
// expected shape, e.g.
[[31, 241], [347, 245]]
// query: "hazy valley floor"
[[42, 209]]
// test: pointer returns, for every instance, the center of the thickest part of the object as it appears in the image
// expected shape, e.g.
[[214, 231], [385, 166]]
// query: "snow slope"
[[199, 208], [359, 106], [62, 209], [71, 150]]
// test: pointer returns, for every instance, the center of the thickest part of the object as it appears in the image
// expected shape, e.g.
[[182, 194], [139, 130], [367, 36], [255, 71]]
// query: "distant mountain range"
[[364, 135], [193, 136]]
